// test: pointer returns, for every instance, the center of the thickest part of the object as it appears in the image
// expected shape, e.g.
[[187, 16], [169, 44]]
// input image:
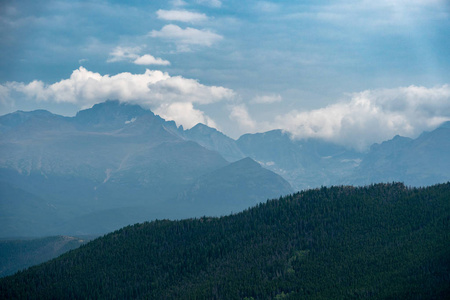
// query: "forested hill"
[[376, 242]]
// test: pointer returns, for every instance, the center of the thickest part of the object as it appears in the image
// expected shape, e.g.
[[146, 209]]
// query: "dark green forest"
[[18, 254], [384, 241]]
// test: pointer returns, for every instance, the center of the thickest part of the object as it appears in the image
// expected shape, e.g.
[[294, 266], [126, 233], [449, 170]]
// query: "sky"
[[351, 72]]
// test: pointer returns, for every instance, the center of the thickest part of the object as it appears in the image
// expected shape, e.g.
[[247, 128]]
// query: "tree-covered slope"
[[20, 254], [378, 242]]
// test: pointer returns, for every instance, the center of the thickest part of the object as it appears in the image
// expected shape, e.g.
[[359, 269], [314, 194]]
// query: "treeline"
[[376, 242]]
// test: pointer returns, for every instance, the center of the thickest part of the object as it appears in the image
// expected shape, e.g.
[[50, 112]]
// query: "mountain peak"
[[20, 117], [445, 125], [274, 136], [247, 162], [115, 106], [20, 114], [213, 139], [245, 166], [111, 113], [202, 128]]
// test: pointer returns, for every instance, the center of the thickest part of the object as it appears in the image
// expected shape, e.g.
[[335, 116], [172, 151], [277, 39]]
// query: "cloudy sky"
[[353, 72]]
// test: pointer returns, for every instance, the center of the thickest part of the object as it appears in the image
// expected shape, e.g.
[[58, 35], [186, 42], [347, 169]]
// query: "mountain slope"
[[16, 255], [304, 163], [418, 162], [98, 158], [233, 188], [384, 241], [111, 165], [24, 214], [214, 140]]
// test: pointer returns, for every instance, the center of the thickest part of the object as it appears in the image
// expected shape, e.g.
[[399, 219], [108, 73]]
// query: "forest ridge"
[[380, 241]]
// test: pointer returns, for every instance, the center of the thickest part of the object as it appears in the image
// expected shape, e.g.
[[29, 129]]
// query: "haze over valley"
[[117, 164]]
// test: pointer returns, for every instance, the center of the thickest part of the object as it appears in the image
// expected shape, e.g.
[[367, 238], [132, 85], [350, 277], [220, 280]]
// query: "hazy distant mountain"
[[109, 166], [24, 214], [418, 162], [212, 139], [100, 155], [116, 164], [312, 163], [304, 163], [235, 187]]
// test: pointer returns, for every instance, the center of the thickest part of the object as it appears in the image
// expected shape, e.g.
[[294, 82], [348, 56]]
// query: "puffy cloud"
[[5, 99], [124, 53], [181, 15], [175, 88], [184, 38], [148, 59], [240, 115], [86, 88], [153, 89], [185, 114], [267, 99], [131, 54], [372, 116]]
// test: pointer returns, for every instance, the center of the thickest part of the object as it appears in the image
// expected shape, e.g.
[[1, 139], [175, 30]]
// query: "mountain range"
[[117, 164], [112, 165], [310, 163]]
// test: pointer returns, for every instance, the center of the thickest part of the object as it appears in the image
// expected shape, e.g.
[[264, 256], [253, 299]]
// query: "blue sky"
[[352, 72]]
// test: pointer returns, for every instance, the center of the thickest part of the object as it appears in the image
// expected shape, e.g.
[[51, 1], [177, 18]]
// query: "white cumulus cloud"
[[153, 89], [372, 116], [184, 38], [5, 98], [185, 114], [123, 53], [148, 59], [175, 88], [181, 15], [240, 115], [131, 54]]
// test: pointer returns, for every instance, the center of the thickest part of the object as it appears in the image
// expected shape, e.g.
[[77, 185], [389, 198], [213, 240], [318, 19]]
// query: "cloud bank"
[[185, 114], [173, 96], [240, 115], [148, 59], [181, 16], [185, 38], [131, 54], [372, 116], [364, 118]]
